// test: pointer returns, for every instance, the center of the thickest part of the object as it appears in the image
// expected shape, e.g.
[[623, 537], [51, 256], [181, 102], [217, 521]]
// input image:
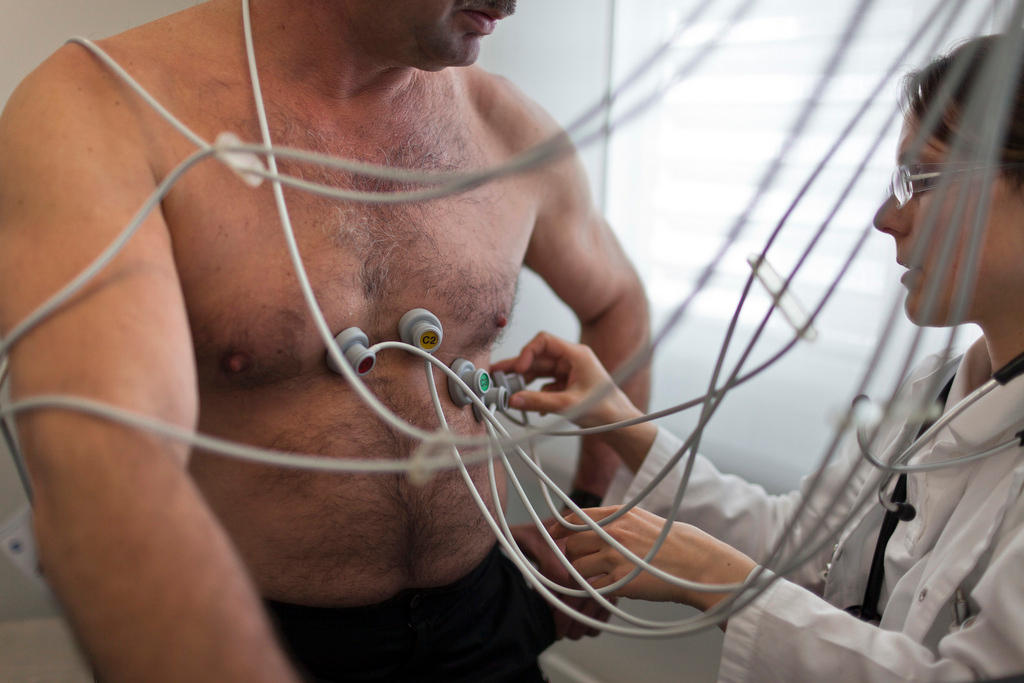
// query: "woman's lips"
[[912, 278]]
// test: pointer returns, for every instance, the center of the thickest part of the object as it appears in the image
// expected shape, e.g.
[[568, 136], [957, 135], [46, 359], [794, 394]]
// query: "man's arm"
[[148, 578], [575, 251]]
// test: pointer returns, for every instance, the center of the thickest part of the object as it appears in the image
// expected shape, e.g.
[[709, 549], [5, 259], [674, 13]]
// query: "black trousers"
[[487, 626]]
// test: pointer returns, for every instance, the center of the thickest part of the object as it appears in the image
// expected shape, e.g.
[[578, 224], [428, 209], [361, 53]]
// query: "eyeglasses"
[[907, 181], [910, 180]]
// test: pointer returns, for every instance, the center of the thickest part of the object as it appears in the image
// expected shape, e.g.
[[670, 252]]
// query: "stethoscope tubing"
[[897, 465]]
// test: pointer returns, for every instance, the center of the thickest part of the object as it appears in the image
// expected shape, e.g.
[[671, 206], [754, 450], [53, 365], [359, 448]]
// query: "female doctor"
[[945, 598]]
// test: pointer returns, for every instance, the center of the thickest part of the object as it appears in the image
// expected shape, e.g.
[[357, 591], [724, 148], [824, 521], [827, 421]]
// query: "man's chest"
[[367, 264], [368, 261]]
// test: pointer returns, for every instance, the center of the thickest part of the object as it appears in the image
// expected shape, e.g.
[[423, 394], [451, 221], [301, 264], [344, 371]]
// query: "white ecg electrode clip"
[[242, 163]]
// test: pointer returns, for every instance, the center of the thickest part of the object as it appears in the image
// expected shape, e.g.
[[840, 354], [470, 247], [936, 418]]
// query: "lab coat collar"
[[996, 416], [989, 421]]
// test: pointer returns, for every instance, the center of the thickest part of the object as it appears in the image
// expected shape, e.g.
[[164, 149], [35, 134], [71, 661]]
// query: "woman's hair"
[[922, 88]]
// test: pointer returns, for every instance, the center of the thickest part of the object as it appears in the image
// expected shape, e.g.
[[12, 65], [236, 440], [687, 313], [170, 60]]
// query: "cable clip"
[[419, 473], [242, 163], [784, 300]]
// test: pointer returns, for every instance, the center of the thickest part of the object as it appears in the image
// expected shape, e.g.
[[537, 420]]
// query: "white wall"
[[557, 53], [32, 29]]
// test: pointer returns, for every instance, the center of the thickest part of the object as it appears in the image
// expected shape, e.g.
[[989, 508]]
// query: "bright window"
[[679, 177]]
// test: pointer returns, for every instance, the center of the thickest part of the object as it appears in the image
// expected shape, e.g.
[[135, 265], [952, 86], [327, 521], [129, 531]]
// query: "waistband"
[[398, 604]]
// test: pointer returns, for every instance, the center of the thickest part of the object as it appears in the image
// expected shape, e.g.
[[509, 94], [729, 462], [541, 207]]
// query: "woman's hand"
[[576, 374], [687, 553]]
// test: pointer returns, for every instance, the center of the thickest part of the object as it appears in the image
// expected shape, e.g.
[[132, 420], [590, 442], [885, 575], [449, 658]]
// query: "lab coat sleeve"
[[734, 510], [790, 634]]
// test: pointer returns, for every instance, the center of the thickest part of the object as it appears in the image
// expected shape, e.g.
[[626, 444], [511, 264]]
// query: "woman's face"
[[999, 283]]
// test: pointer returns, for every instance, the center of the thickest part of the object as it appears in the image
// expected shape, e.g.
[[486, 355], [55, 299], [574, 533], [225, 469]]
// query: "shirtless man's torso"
[[329, 539], [201, 321]]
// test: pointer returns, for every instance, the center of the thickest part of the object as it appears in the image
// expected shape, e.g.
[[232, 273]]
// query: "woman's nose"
[[890, 218]]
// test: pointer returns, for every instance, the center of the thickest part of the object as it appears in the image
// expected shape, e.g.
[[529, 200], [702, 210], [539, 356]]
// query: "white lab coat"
[[968, 534]]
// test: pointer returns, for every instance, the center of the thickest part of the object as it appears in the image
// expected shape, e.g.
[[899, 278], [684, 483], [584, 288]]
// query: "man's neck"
[[317, 46]]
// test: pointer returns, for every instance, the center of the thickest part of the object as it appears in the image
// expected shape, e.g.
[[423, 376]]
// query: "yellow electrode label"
[[428, 340]]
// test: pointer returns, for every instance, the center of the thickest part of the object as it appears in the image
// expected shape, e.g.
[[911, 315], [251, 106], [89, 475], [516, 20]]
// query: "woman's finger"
[[583, 543], [559, 531], [593, 565], [539, 401]]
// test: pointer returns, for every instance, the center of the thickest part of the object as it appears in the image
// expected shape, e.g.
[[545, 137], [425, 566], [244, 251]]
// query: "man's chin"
[[465, 54], [470, 51]]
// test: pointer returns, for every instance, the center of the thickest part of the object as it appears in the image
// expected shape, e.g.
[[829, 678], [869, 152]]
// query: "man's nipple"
[[235, 362], [501, 320]]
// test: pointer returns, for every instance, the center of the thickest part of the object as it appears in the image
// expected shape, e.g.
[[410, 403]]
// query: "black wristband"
[[585, 499]]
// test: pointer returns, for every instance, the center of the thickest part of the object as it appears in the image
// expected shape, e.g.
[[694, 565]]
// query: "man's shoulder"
[[75, 94], [148, 52], [70, 112], [67, 87], [506, 110]]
